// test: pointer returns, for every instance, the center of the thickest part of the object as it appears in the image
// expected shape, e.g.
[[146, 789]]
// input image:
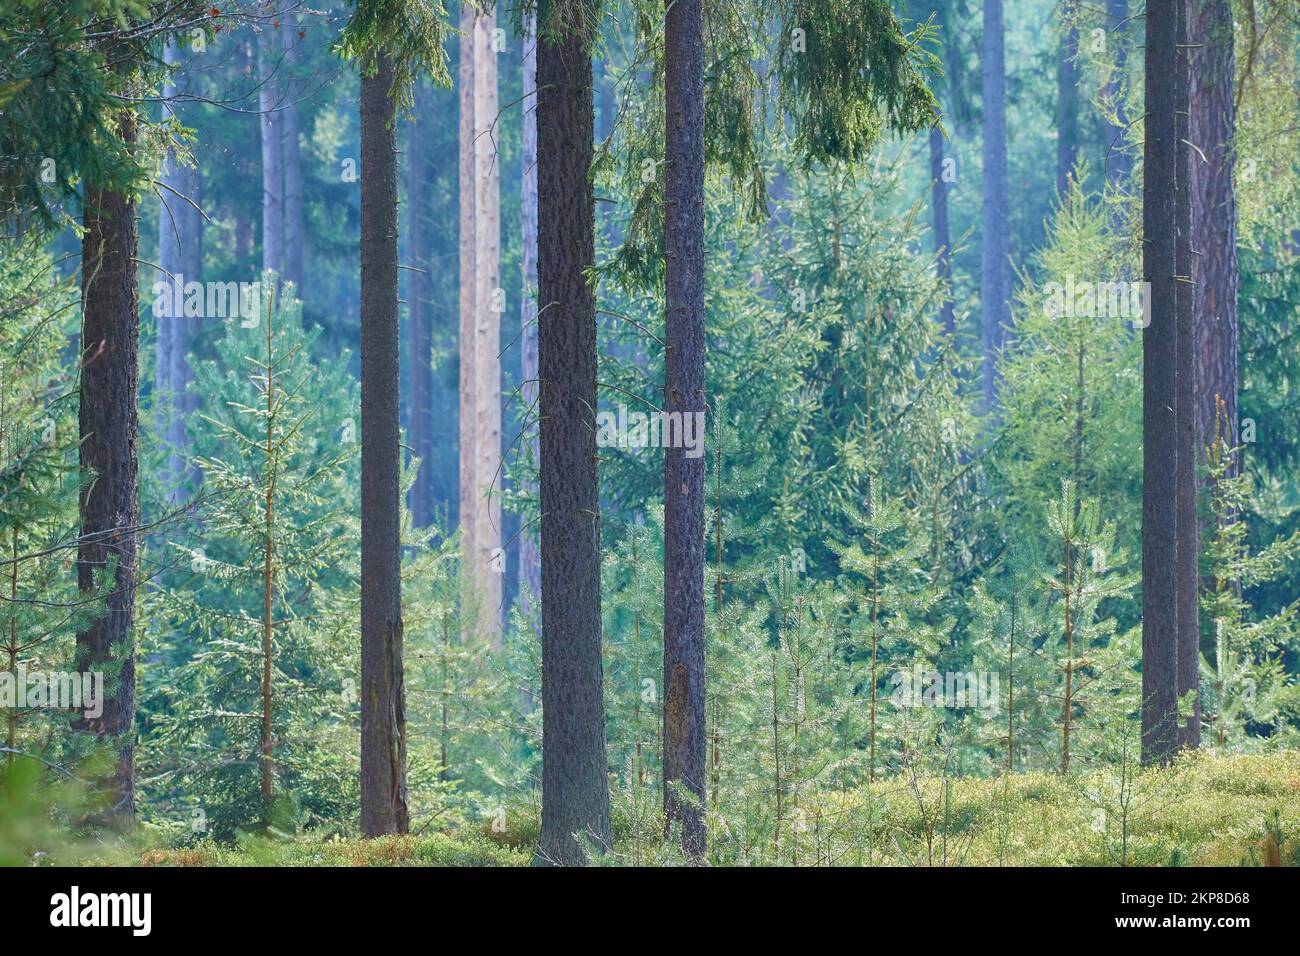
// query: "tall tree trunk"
[[684, 684], [292, 156], [1187, 543], [469, 483], [488, 302], [1159, 371], [383, 695], [172, 274], [575, 786], [109, 504], [942, 231], [268, 579], [530, 567], [995, 251], [269, 53], [1067, 96], [1117, 159], [1211, 126], [180, 260], [419, 309]]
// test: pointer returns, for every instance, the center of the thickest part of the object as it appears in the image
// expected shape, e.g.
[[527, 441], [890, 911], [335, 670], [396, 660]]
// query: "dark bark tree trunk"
[[419, 309], [1211, 125], [684, 679], [292, 157], [575, 786], [1067, 97], [1187, 543], [995, 266], [1159, 370], [530, 567], [942, 231], [268, 103], [109, 504], [383, 708], [1117, 160]]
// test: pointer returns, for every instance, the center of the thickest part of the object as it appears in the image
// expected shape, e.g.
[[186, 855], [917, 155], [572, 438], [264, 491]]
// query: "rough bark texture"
[[268, 102], [419, 310], [942, 231], [488, 303], [1117, 159], [684, 690], [1187, 524], [1159, 354], [995, 266], [1211, 122], [530, 565], [383, 709], [1067, 97], [575, 788], [109, 505], [292, 156]]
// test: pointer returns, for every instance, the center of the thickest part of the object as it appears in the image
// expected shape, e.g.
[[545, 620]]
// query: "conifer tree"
[[389, 63]]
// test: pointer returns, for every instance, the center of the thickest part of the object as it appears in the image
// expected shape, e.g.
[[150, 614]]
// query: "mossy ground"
[[1205, 811]]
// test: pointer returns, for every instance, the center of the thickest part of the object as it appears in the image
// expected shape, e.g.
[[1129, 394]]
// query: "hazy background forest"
[[340, 349]]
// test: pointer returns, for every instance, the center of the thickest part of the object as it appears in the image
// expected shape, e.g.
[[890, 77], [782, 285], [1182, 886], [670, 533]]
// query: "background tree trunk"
[[575, 786], [269, 51], [1067, 97], [383, 713], [109, 504], [469, 483], [292, 154], [530, 567], [1159, 353], [419, 309], [488, 304], [995, 266], [684, 679], [942, 231], [1117, 159], [180, 260]]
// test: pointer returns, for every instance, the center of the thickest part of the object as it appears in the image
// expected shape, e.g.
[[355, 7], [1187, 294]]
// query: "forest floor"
[[1205, 811]]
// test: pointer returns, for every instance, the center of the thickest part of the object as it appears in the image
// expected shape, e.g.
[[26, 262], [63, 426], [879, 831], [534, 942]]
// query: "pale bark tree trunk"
[[468, 314], [180, 260], [942, 231], [1159, 369], [292, 157], [1067, 97], [488, 561], [575, 786], [530, 567], [419, 310], [171, 272], [995, 266], [684, 679], [1118, 161], [109, 504], [268, 58], [383, 708]]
